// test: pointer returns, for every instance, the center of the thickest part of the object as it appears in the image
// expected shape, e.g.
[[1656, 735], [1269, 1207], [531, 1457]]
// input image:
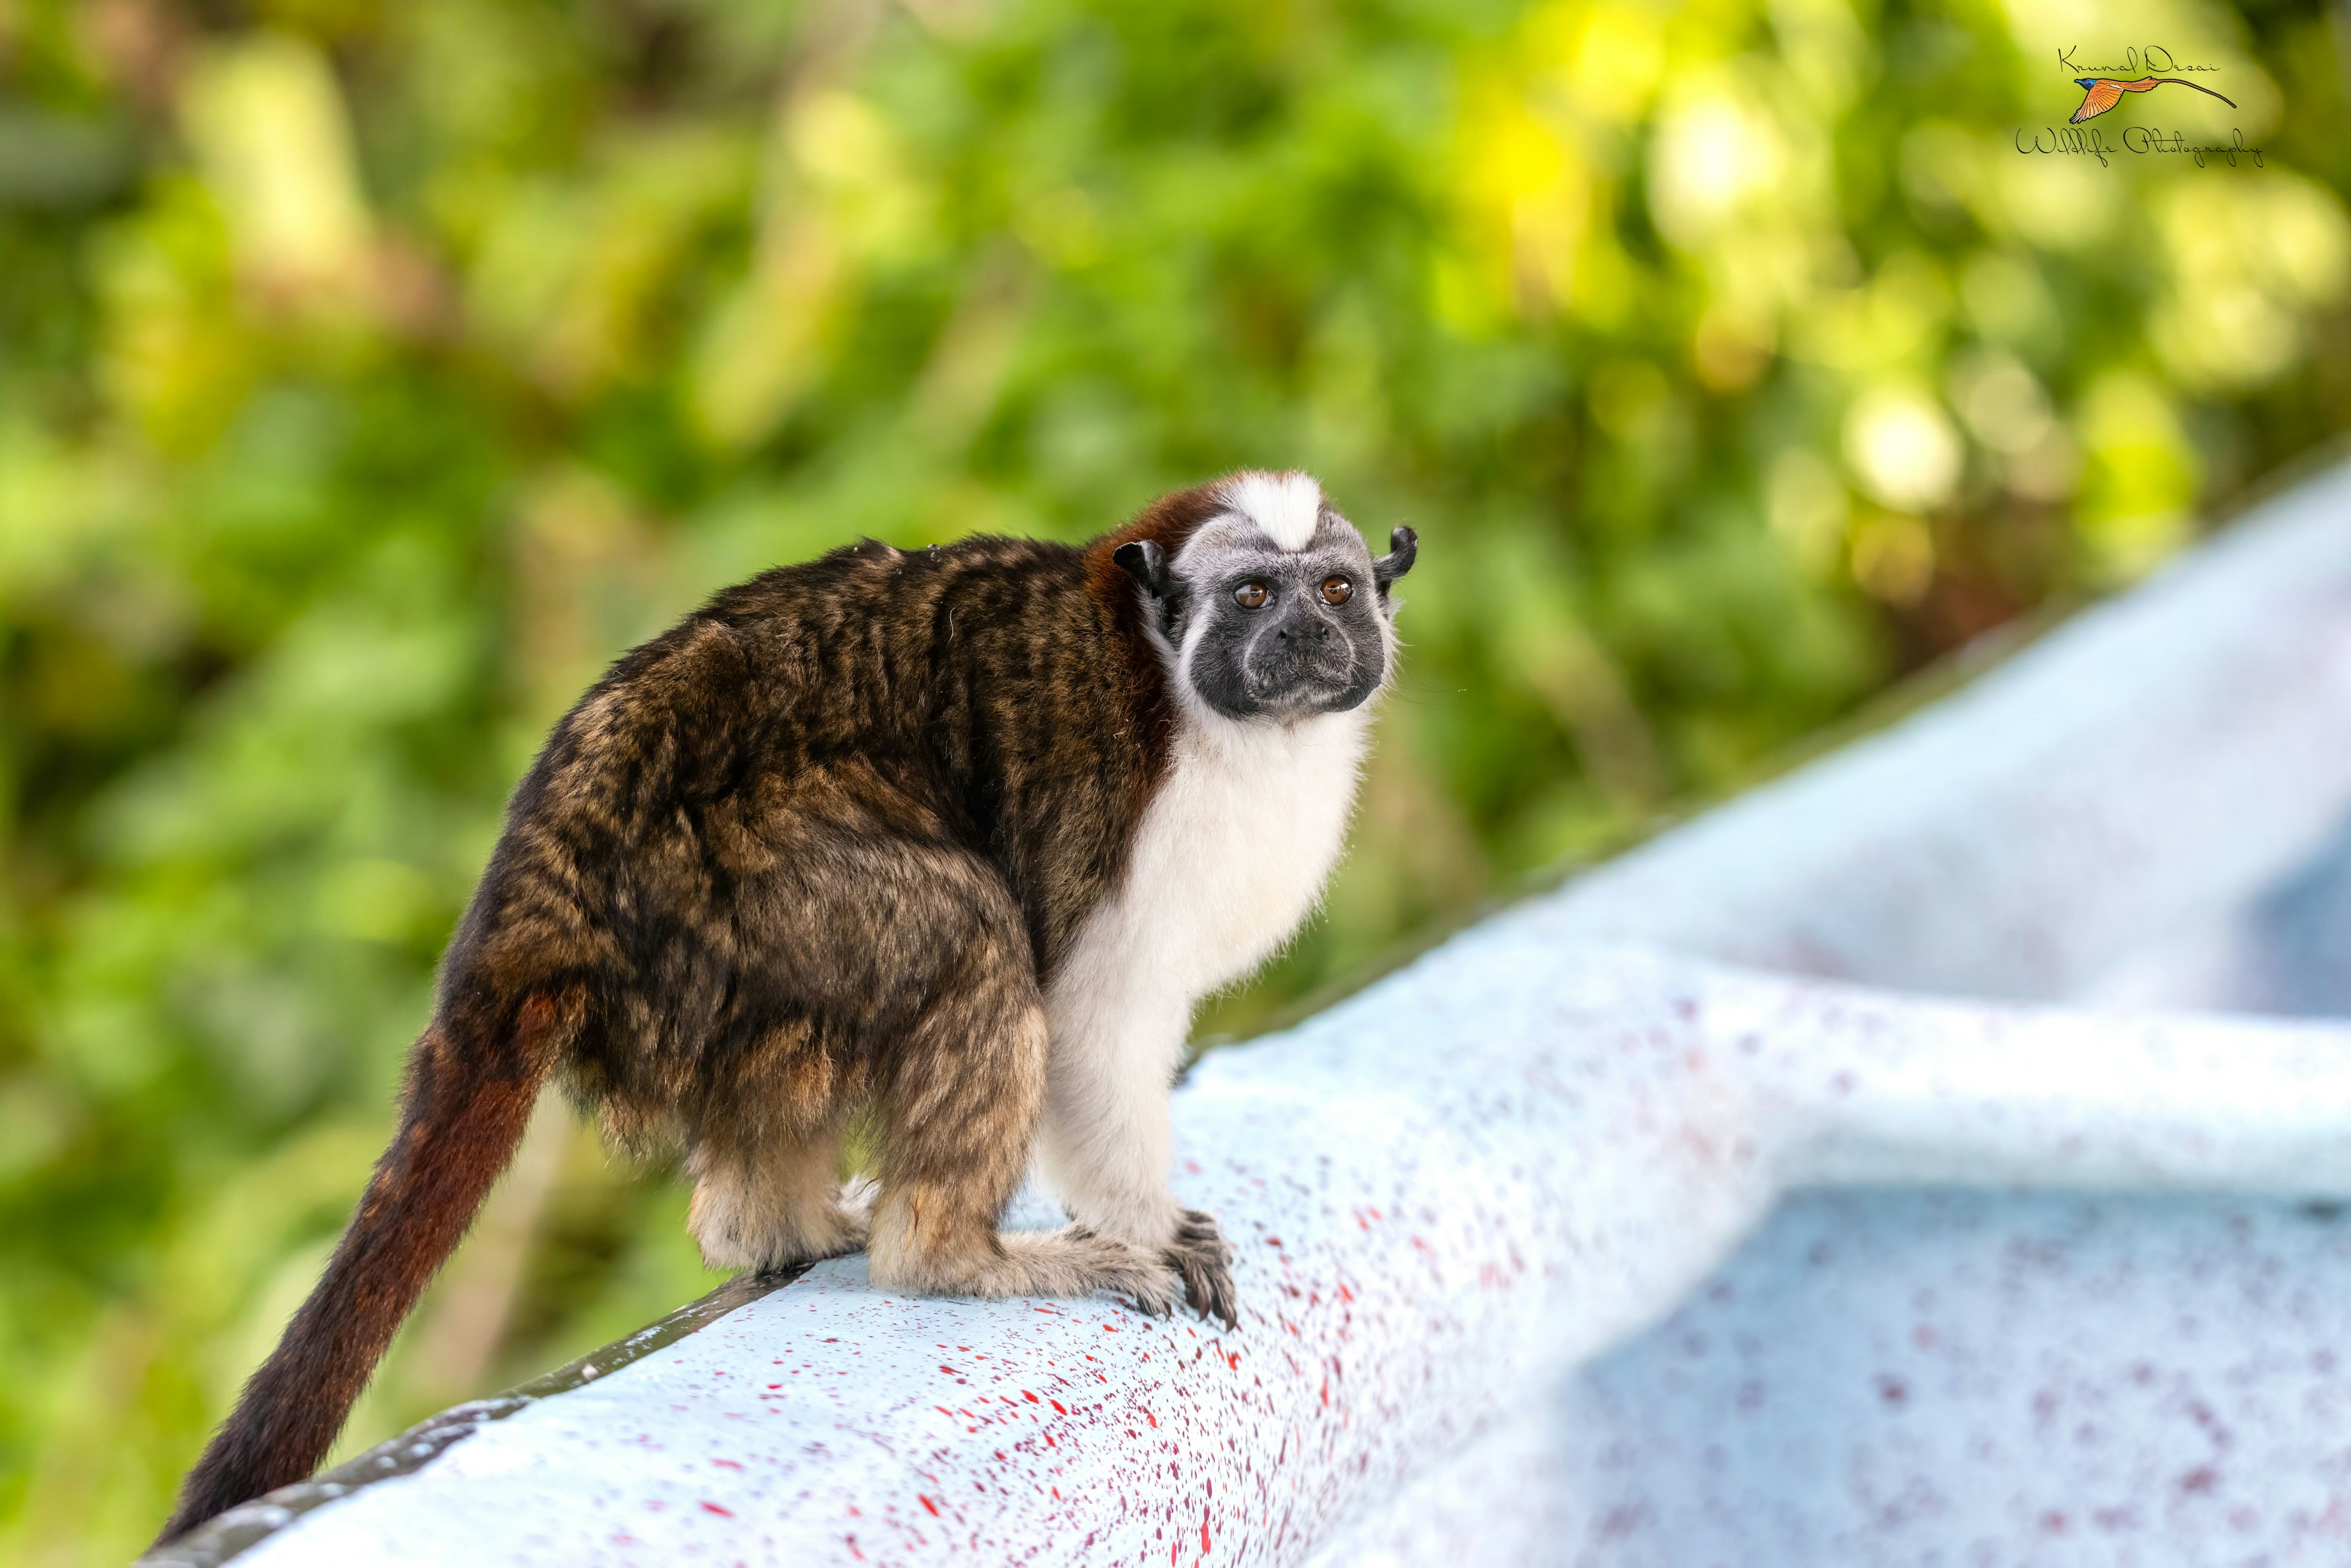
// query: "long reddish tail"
[[463, 1113]]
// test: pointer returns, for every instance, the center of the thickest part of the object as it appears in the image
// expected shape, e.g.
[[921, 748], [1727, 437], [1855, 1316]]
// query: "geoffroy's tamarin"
[[951, 840]]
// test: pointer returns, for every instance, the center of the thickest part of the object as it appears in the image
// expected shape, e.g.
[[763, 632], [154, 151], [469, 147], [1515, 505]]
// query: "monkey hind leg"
[[773, 1203], [913, 1249], [1071, 1261], [956, 1118]]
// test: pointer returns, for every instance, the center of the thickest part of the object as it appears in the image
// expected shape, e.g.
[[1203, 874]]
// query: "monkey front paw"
[[1201, 1256]]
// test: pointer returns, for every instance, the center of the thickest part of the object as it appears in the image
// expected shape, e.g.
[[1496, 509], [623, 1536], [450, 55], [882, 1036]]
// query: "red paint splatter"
[[721, 1512], [1028, 1397], [926, 1502], [1057, 1406], [727, 1464]]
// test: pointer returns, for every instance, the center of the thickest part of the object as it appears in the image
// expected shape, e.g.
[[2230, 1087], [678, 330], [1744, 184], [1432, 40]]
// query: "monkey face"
[[1265, 633], [1274, 609]]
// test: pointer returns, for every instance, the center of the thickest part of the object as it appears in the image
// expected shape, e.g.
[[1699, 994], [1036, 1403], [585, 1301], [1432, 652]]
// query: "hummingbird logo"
[[2102, 93]]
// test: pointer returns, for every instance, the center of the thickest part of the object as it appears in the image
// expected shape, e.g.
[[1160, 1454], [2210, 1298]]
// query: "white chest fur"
[[1233, 851], [1231, 856]]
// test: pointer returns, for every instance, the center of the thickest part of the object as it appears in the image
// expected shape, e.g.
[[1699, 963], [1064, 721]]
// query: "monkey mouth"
[[1286, 678], [1318, 687]]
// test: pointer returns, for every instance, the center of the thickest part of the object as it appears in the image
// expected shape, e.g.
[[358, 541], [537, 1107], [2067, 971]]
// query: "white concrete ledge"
[[1456, 1189]]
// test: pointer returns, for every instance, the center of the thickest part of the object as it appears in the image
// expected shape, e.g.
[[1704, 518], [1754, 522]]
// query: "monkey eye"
[[1250, 596], [1337, 590]]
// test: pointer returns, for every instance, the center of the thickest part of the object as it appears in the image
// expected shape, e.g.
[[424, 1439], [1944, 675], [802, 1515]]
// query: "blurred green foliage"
[[371, 373]]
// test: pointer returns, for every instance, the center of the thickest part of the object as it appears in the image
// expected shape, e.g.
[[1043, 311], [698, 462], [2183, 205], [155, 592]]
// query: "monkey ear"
[[1404, 545], [1146, 563]]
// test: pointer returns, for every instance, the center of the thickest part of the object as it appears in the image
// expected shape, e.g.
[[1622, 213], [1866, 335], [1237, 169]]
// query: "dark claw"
[[1200, 1256]]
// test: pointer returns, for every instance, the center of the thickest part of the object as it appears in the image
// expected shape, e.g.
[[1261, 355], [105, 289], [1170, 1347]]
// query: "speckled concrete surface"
[[1441, 1212], [1944, 1379]]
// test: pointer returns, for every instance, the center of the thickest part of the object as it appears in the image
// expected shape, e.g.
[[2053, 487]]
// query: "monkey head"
[[1272, 608]]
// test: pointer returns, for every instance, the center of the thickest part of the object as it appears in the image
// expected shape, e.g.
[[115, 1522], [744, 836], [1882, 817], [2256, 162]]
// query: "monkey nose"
[[1306, 632]]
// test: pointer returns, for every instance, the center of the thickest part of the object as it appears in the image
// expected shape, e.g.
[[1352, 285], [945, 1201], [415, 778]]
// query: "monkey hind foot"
[[1202, 1258], [1075, 1261], [1067, 1262]]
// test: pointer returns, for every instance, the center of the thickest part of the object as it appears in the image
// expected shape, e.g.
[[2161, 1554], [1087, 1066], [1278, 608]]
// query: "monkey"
[[953, 840]]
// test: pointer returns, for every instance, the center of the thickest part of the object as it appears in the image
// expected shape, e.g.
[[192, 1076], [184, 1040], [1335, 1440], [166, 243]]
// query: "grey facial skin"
[[1261, 632]]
